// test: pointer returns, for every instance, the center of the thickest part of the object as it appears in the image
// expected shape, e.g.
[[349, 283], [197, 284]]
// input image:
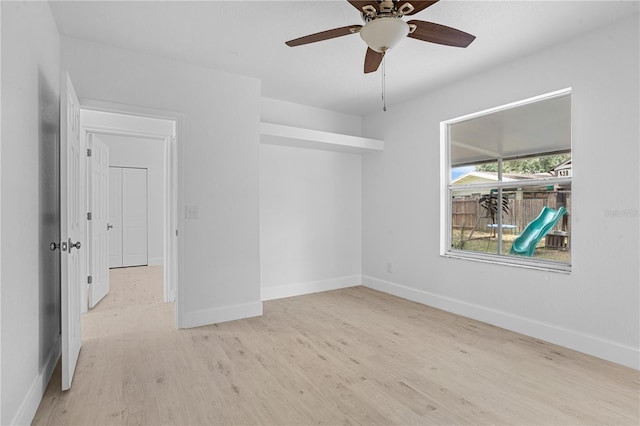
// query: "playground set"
[[525, 243]]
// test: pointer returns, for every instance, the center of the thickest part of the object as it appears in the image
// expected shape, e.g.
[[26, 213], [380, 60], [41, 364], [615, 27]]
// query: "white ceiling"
[[247, 37]]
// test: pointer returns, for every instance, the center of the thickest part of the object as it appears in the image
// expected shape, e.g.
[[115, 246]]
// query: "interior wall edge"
[[309, 287], [211, 316]]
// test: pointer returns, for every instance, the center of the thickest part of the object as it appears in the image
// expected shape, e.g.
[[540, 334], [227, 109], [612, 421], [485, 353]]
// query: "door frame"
[[173, 190]]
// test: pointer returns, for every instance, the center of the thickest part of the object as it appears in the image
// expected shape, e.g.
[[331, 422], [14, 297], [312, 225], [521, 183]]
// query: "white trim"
[[534, 99], [27, 410], [299, 289], [173, 185], [118, 131], [1, 240], [156, 261], [517, 261], [171, 188], [132, 111], [222, 314], [445, 181], [575, 340]]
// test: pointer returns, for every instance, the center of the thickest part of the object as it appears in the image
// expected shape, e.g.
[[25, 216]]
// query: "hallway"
[[129, 323]]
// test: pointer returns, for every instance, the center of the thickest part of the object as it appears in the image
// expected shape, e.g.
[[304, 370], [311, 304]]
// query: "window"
[[507, 184]]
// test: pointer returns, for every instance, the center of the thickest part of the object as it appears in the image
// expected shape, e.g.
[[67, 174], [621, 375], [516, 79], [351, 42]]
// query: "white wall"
[[30, 211], [0, 229], [308, 117], [595, 309], [127, 151], [310, 207], [219, 270], [310, 220]]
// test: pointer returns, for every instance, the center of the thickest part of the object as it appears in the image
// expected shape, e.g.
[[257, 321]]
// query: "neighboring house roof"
[[562, 166], [563, 169], [475, 177]]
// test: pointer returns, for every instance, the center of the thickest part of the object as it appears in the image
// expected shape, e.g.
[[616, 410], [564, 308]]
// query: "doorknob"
[[109, 226], [54, 246], [72, 245]]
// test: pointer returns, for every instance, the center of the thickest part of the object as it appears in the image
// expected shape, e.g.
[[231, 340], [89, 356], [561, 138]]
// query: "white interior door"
[[72, 226], [128, 242], [99, 248], [134, 217], [115, 217]]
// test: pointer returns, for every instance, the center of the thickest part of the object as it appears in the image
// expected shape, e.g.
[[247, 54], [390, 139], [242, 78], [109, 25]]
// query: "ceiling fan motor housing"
[[384, 33]]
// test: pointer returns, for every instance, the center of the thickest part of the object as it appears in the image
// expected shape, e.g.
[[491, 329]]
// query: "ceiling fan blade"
[[440, 34], [360, 4], [418, 6], [324, 35], [372, 60]]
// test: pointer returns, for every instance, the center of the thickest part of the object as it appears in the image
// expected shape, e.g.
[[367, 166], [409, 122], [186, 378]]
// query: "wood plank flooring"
[[352, 356]]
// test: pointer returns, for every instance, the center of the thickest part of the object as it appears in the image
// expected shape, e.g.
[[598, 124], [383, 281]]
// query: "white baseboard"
[[591, 345], [299, 289], [155, 261], [222, 314], [31, 401]]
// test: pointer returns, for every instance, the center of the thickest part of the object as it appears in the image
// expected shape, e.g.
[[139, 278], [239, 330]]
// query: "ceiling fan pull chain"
[[384, 86]]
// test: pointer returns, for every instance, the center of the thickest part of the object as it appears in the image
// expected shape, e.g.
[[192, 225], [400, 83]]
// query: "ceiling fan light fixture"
[[384, 33]]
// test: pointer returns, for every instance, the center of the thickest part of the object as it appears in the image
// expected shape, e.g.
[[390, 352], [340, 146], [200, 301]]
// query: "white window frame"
[[446, 249]]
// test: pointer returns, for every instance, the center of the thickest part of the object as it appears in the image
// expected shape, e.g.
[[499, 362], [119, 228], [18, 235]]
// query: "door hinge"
[[88, 152], [89, 279], [89, 216]]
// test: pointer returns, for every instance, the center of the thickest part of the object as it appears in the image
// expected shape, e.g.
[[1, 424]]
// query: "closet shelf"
[[277, 134]]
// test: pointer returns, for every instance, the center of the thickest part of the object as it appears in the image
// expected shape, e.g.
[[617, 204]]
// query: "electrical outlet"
[[389, 268], [190, 212]]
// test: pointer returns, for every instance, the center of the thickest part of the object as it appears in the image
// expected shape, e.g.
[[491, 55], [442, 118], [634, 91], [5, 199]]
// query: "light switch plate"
[[190, 212]]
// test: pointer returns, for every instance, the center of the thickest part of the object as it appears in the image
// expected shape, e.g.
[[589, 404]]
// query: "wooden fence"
[[468, 213]]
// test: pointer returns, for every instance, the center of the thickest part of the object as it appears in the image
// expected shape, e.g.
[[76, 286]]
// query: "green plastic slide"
[[525, 244]]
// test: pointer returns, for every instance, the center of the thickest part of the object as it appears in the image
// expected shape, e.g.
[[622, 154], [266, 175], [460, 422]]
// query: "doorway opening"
[[135, 213], [138, 139]]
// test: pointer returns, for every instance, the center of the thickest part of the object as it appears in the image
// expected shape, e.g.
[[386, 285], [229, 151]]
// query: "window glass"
[[511, 201]]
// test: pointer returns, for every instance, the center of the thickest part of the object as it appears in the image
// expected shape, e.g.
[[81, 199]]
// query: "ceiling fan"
[[384, 28]]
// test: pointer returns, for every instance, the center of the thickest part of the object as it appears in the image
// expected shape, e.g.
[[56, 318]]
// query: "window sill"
[[526, 263]]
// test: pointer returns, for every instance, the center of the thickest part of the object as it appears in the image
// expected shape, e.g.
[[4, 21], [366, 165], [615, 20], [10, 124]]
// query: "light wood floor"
[[352, 356]]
